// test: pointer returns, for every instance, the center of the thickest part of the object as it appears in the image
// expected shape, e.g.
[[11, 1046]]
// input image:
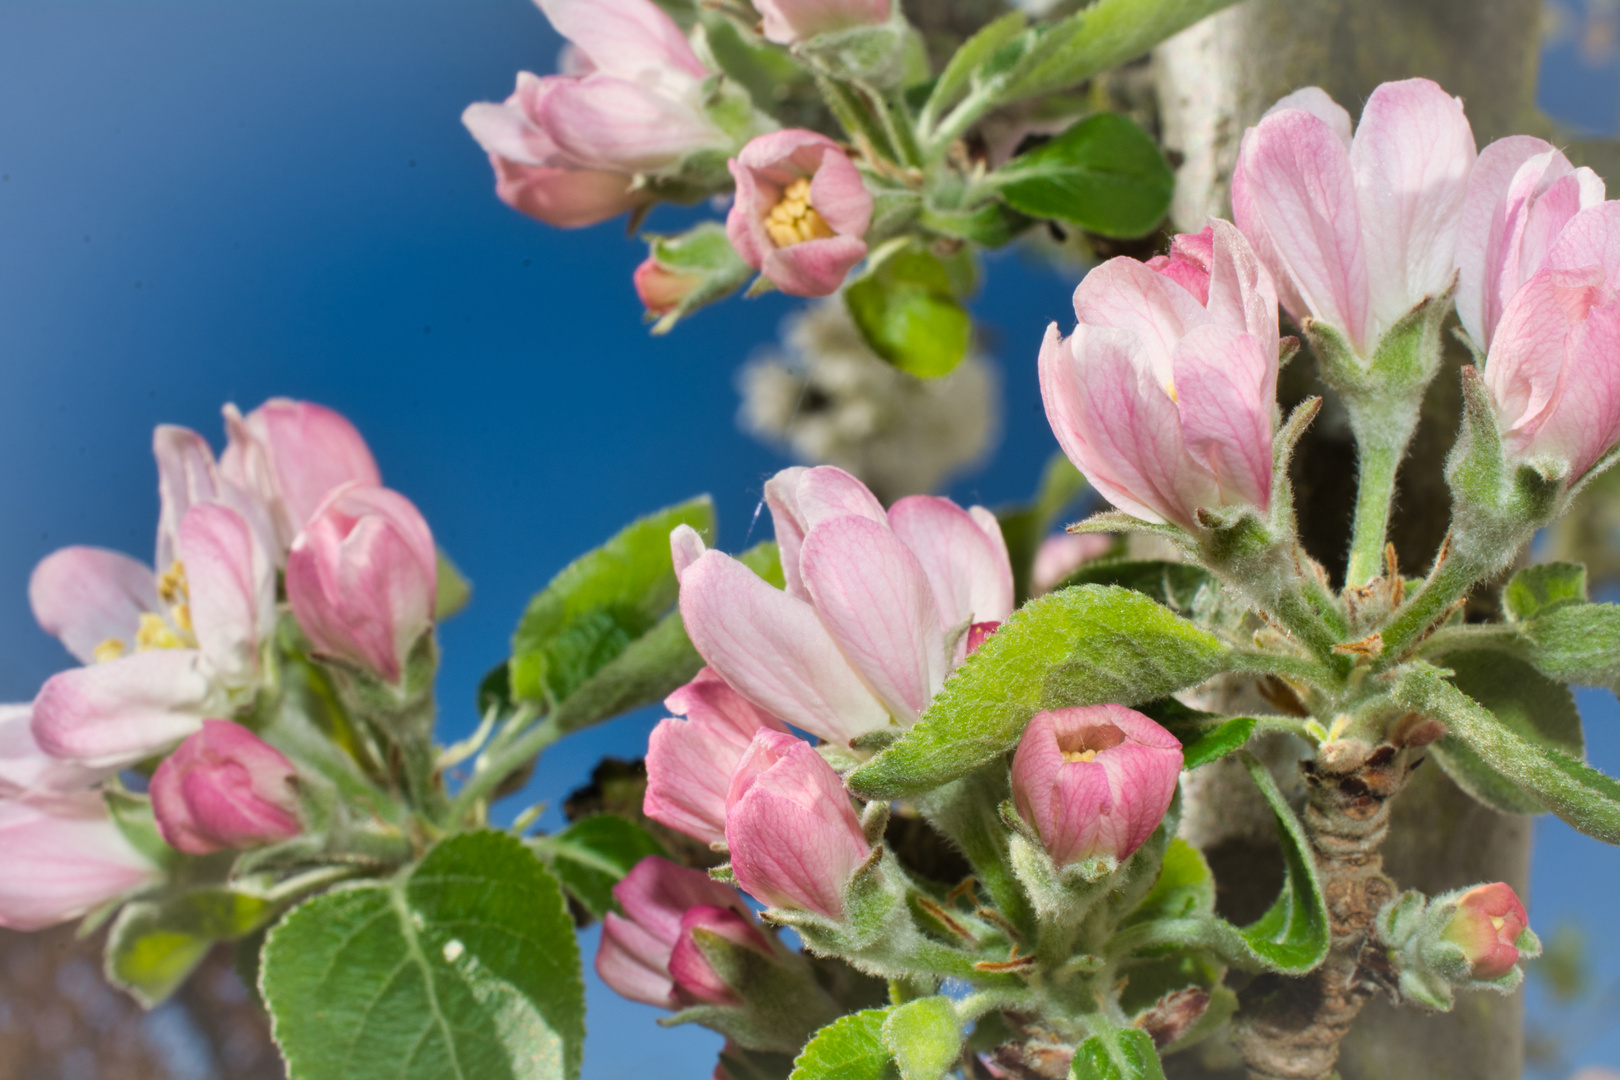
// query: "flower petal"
[[1124, 294], [608, 123], [630, 38], [1242, 295], [113, 714], [26, 770], [814, 267], [1481, 233], [87, 595], [63, 861], [1226, 392], [232, 588], [968, 572], [799, 498]]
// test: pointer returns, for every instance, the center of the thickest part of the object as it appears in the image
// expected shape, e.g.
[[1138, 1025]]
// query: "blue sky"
[[204, 202]]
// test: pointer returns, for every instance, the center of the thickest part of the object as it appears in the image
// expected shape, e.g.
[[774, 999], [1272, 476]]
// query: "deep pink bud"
[[800, 212], [62, 858], [362, 578], [224, 788], [635, 957], [794, 837], [694, 977], [1163, 400], [662, 289], [790, 21], [1190, 262], [293, 454], [1094, 780], [690, 761], [1487, 925]]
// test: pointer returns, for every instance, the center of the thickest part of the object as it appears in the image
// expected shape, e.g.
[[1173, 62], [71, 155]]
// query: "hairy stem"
[[1449, 582], [1375, 494]]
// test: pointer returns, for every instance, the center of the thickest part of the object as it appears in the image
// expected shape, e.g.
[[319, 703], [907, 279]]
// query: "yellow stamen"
[[154, 633], [793, 220], [172, 583], [182, 617], [1170, 388], [1079, 755], [111, 649], [1498, 922]]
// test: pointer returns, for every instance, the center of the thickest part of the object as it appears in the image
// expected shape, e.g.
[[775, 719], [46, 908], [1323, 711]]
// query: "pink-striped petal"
[[116, 713], [62, 861], [813, 267], [26, 771], [187, 475], [1241, 293], [1124, 294], [612, 124], [1226, 391], [631, 38], [1483, 233], [968, 572], [799, 498], [86, 595], [232, 589]]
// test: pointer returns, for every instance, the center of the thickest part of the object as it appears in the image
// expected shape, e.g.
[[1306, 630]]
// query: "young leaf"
[[1083, 646], [647, 670], [454, 589], [599, 604], [1537, 589], [1293, 935], [909, 315], [1185, 888], [959, 73], [1534, 706], [849, 1048], [1104, 174], [155, 944], [1119, 1054], [1576, 792], [462, 968], [924, 1036], [1172, 584], [591, 855], [1214, 745], [1576, 643]]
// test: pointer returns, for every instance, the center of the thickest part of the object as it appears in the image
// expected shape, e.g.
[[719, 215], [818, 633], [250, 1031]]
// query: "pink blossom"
[[1063, 554], [28, 773], [1094, 780], [648, 954], [791, 21], [1357, 231], [291, 455], [690, 761], [1166, 403], [362, 578], [1487, 926], [794, 838], [224, 788], [800, 212], [875, 613], [63, 857], [662, 289], [1521, 194]]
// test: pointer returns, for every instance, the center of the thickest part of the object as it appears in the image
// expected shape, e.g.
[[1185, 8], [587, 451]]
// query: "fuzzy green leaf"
[[1104, 174], [1537, 589], [850, 1048], [1214, 745], [463, 968], [1120, 1054], [924, 1036], [592, 855], [1535, 707], [1185, 888], [599, 604], [1576, 792], [1082, 646], [1576, 643], [646, 671], [908, 313], [967, 61], [1293, 936], [154, 945]]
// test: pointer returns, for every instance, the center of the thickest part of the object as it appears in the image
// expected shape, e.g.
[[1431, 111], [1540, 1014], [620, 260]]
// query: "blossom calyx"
[[1468, 939]]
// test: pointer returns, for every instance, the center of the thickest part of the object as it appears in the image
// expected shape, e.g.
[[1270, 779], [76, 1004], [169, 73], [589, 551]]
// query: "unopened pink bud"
[[800, 212], [662, 289], [1191, 259], [1094, 780], [689, 969], [790, 21], [362, 578], [293, 454], [1488, 924], [225, 788], [979, 633], [794, 838], [636, 954]]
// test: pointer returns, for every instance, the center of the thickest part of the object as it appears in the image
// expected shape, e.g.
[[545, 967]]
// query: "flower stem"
[[1449, 582], [1375, 492], [492, 769]]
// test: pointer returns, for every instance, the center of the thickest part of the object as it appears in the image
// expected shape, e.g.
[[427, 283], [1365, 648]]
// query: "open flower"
[[1356, 231], [1094, 780], [224, 788], [690, 761], [1164, 397], [800, 213], [794, 838], [1521, 194], [63, 858], [876, 612]]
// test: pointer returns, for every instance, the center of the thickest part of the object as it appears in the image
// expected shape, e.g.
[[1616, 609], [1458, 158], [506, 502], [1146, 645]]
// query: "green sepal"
[[154, 945], [1104, 174], [924, 1036], [707, 260], [1536, 590], [454, 591], [780, 1004], [132, 814]]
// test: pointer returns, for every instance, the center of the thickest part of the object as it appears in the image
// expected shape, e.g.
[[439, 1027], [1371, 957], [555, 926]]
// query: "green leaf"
[[924, 1036], [1104, 174], [1576, 792], [705, 262], [463, 968], [590, 856], [849, 1048], [1535, 707], [599, 604], [1576, 643], [992, 225], [1119, 1054], [1172, 584], [1082, 646], [967, 61], [908, 314], [154, 945], [1185, 888], [1099, 37], [647, 670], [1293, 935], [1214, 745], [454, 590], [1537, 589]]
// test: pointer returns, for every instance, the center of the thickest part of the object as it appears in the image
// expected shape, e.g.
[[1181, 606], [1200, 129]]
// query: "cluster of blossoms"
[[291, 517]]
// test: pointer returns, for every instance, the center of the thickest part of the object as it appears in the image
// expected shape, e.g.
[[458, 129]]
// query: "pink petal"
[[1317, 102], [790, 21], [1481, 235], [509, 130], [115, 713], [813, 267], [26, 770], [688, 773], [745, 221], [1142, 781], [686, 546], [629, 964], [1241, 293], [1125, 295], [710, 701], [1528, 351], [608, 123], [873, 595], [86, 596], [774, 650], [1592, 238], [656, 892], [1063, 554], [1226, 390], [1584, 420], [968, 573], [799, 498], [1082, 803], [630, 38], [232, 588], [63, 861], [1411, 156], [187, 475], [839, 195]]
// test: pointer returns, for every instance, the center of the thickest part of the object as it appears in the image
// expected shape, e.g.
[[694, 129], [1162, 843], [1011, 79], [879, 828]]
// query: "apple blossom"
[[790, 21], [224, 788], [63, 857], [1487, 924]]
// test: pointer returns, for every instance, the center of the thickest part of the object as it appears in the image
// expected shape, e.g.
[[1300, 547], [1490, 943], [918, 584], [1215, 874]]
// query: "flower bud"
[[663, 904], [800, 212], [791, 21], [362, 578], [63, 857], [794, 838], [662, 289], [1094, 781], [690, 761], [224, 788], [1487, 924]]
